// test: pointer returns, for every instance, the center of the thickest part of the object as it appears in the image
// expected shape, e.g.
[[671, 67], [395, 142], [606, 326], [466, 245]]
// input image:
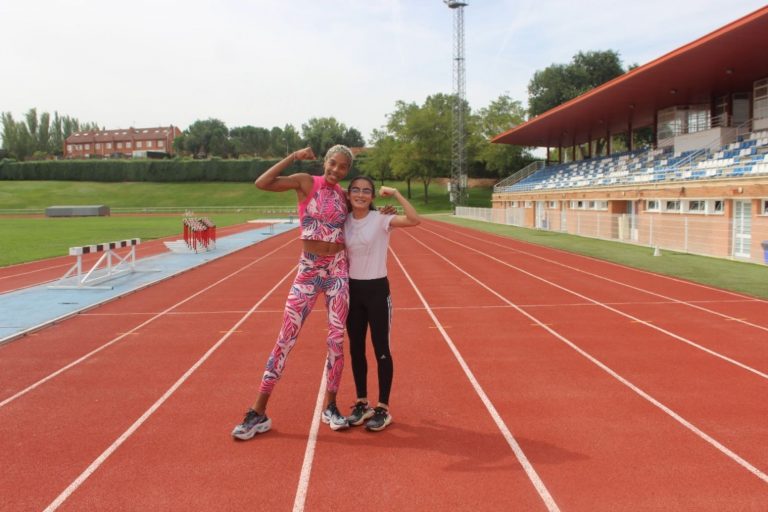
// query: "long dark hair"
[[373, 193]]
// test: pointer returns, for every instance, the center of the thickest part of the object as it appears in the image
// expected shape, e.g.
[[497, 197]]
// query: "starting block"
[[109, 266]]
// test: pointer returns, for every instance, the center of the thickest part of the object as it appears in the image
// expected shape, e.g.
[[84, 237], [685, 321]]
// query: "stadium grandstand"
[[700, 186]]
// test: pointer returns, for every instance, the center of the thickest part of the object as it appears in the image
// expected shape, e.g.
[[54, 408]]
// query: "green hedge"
[[146, 170]]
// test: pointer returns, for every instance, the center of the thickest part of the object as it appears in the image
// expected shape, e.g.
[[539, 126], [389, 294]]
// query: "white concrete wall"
[[714, 137]]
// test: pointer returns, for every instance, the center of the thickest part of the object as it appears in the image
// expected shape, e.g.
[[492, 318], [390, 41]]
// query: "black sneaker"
[[380, 419], [333, 417], [360, 412], [253, 423]]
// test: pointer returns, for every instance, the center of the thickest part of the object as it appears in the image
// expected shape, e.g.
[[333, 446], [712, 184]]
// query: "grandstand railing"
[[709, 148], [520, 175], [708, 235], [747, 156], [721, 121]]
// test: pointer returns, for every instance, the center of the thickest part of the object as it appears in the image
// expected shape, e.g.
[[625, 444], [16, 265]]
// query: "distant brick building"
[[125, 143]]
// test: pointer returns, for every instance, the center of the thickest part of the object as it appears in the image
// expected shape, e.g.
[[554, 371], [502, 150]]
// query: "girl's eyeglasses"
[[358, 190]]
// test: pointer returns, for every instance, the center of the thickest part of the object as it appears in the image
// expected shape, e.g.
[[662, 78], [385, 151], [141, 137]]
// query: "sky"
[[275, 62]]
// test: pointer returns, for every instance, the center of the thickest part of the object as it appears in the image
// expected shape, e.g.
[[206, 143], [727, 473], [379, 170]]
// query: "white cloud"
[[276, 62]]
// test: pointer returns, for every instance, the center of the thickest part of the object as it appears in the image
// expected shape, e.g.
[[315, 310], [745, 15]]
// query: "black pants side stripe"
[[370, 305]]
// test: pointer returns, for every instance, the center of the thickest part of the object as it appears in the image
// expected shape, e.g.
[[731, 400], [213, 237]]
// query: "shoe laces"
[[333, 409], [380, 411], [250, 415], [359, 407]]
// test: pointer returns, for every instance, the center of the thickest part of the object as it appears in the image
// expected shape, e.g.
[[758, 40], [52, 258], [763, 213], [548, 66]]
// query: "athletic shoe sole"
[[387, 421], [366, 416], [259, 428], [334, 426]]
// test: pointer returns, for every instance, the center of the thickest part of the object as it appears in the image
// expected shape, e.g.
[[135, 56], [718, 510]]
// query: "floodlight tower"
[[458, 148]]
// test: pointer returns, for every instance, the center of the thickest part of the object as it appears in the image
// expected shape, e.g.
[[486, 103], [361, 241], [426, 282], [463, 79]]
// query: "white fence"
[[710, 235]]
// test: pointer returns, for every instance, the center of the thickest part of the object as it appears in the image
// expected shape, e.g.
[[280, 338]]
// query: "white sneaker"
[[333, 417], [253, 423]]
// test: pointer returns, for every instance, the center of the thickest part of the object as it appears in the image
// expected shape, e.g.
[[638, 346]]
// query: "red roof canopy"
[[728, 60]]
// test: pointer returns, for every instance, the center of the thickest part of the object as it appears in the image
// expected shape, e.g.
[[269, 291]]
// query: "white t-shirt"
[[367, 240]]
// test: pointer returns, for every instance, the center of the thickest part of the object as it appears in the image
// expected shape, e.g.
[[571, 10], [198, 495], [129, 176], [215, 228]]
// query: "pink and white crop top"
[[323, 213]]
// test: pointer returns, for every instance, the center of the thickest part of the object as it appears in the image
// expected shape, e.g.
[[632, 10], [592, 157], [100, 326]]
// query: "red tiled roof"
[[123, 134]]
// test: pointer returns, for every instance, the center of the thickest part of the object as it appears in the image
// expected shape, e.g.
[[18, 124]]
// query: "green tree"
[[430, 131], [285, 140], [353, 138], [404, 163], [17, 139], [10, 135], [401, 161], [502, 114], [44, 134], [32, 125], [324, 132], [422, 135], [378, 159], [206, 138], [278, 145], [38, 136], [250, 140], [57, 135], [559, 83], [292, 137]]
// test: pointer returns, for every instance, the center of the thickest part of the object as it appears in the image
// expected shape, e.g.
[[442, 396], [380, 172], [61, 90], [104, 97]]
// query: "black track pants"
[[370, 304]]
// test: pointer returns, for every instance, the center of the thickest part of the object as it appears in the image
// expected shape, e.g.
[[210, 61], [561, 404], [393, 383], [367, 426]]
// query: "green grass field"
[[37, 195], [749, 278], [26, 239]]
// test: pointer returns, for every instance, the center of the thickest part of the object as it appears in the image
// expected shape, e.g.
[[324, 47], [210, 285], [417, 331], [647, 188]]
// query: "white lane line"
[[690, 426], [511, 441], [691, 304], [148, 245], [156, 242], [606, 306], [174, 313], [41, 269], [309, 453], [620, 265], [528, 305], [66, 493], [143, 324]]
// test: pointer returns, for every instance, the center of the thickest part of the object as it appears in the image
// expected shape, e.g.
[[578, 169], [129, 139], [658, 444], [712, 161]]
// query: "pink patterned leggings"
[[327, 274]]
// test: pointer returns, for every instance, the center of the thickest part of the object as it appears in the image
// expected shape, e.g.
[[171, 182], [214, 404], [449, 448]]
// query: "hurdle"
[[199, 235], [271, 222], [98, 273], [270, 226], [199, 232]]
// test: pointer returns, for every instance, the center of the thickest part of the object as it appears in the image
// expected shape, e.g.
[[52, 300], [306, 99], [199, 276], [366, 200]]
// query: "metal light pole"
[[458, 148]]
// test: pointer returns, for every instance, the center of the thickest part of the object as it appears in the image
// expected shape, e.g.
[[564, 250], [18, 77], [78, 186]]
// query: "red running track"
[[526, 379]]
